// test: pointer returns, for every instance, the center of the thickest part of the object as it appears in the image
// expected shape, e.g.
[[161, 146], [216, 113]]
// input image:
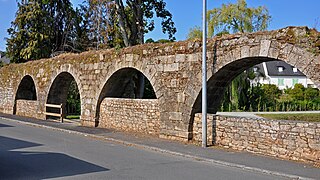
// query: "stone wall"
[[27, 108], [173, 70], [6, 100], [136, 115], [293, 140]]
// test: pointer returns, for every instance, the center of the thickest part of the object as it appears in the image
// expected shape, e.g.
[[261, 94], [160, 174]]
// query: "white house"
[[281, 74]]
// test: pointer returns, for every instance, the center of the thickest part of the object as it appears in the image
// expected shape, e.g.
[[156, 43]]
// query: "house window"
[[294, 69], [280, 82], [294, 81], [280, 68]]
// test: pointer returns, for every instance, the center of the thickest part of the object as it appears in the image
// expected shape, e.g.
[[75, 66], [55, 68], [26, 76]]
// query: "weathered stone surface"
[[133, 115], [174, 71], [27, 108], [249, 135]]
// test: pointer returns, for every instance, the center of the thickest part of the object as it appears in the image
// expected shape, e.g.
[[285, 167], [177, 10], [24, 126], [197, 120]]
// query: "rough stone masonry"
[[293, 140], [173, 69]]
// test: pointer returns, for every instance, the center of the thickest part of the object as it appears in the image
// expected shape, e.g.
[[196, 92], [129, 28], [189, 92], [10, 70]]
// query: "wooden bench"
[[57, 106]]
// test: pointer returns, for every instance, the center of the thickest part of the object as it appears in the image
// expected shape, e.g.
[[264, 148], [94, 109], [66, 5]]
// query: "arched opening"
[[278, 80], [220, 80], [64, 91], [26, 93], [127, 93], [128, 83]]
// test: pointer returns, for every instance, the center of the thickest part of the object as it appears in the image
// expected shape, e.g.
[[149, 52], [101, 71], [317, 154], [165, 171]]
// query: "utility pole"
[[204, 74]]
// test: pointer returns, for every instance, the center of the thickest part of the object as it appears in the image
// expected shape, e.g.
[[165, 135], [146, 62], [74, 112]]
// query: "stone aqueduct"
[[174, 71]]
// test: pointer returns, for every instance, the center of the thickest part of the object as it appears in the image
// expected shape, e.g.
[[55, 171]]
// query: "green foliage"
[[44, 28], [99, 25], [164, 41], [271, 91], [135, 18], [237, 18], [232, 18], [1, 64], [297, 92], [268, 97], [40, 29], [313, 117], [312, 94], [195, 33], [150, 40], [237, 94], [148, 91], [73, 117], [29, 34], [73, 106]]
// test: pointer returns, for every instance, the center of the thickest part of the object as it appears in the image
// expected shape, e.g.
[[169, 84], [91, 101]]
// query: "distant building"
[[3, 58], [281, 74]]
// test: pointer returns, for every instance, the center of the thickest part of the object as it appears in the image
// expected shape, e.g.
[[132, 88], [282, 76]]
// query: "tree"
[[237, 17], [100, 24], [297, 92], [232, 18], [195, 33], [271, 91], [135, 18], [29, 36], [73, 100], [311, 94], [40, 29]]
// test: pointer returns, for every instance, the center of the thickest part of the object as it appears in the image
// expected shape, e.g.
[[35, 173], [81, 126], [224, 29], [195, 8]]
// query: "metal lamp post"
[[204, 74]]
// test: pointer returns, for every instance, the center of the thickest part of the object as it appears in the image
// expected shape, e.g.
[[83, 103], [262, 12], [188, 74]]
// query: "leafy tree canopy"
[[135, 18], [237, 18], [41, 28], [195, 33]]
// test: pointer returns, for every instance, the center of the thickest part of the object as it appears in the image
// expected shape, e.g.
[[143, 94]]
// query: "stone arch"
[[116, 83], [66, 68], [58, 91], [217, 83], [227, 66], [26, 90]]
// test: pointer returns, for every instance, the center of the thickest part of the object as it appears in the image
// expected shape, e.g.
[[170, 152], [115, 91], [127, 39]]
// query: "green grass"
[[73, 117], [313, 117]]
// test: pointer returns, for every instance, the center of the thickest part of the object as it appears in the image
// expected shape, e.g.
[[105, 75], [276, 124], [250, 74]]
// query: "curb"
[[164, 151]]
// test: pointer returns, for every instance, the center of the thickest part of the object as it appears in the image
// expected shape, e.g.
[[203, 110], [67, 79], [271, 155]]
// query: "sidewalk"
[[243, 160]]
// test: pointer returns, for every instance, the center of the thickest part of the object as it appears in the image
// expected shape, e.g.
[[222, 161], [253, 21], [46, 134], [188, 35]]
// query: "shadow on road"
[[4, 125], [38, 165]]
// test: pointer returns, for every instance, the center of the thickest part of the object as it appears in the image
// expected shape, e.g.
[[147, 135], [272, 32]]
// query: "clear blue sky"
[[187, 14]]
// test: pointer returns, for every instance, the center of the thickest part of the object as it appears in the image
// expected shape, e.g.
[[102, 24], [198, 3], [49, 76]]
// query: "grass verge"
[[298, 117], [73, 117]]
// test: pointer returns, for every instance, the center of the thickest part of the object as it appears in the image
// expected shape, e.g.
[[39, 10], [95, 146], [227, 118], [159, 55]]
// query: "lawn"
[[73, 117], [312, 117]]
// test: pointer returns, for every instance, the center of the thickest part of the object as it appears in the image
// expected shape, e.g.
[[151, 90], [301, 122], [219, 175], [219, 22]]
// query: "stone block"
[[245, 51], [171, 67], [180, 58], [264, 48]]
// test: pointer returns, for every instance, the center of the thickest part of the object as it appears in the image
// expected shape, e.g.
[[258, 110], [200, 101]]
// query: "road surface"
[[28, 152]]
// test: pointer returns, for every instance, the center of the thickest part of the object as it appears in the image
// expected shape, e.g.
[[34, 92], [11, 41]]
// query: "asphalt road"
[[28, 152]]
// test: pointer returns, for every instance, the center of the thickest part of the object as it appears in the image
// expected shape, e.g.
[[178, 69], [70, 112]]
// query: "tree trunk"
[[122, 24], [140, 86]]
